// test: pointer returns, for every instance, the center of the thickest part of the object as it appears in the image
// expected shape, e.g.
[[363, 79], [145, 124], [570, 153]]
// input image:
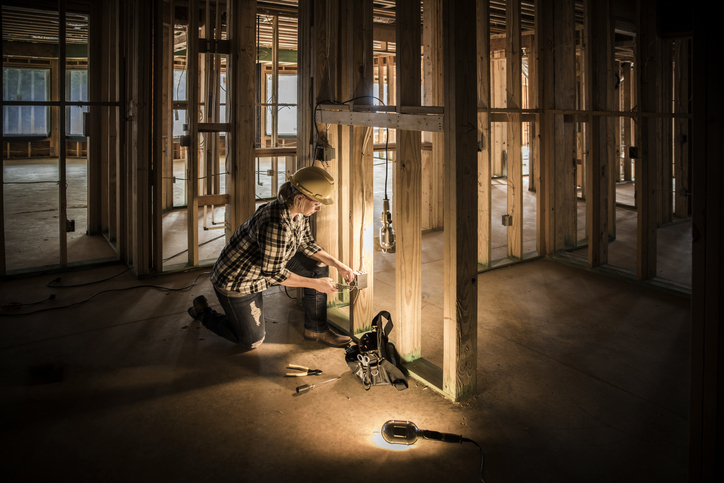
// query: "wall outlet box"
[[69, 225], [360, 279], [325, 153]]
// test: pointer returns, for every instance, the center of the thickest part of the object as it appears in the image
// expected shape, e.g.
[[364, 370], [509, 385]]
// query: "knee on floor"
[[257, 343]]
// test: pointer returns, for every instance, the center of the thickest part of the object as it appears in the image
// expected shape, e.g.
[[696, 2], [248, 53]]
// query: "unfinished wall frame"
[[97, 60]]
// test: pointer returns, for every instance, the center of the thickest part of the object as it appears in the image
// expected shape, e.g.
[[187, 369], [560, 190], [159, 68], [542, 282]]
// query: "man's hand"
[[346, 272], [324, 285]]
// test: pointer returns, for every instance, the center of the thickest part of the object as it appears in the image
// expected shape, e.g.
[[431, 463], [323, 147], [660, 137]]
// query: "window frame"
[[48, 115]]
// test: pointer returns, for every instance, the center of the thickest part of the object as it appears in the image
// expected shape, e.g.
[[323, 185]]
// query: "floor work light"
[[407, 433]]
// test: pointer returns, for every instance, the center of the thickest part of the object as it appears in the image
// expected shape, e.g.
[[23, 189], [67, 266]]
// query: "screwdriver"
[[306, 387]]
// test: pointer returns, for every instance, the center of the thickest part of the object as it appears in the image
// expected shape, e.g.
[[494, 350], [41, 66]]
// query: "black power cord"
[[466, 440], [53, 283], [52, 297], [453, 438], [17, 305]]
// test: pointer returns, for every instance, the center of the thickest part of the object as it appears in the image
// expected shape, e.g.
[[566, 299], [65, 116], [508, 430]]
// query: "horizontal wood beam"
[[384, 32], [410, 122], [393, 147], [387, 108], [214, 127], [503, 117], [209, 200], [277, 151]]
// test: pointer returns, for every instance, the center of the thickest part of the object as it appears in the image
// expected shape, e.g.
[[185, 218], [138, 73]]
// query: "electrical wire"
[[387, 157], [158, 287], [200, 244], [314, 151], [17, 305], [50, 284], [481, 456]]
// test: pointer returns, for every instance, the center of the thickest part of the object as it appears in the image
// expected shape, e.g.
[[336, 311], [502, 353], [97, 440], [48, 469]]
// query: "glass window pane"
[[179, 84], [287, 114], [25, 85], [76, 85]]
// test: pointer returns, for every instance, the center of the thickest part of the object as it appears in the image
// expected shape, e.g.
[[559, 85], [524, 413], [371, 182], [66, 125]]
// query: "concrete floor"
[[581, 377], [31, 198]]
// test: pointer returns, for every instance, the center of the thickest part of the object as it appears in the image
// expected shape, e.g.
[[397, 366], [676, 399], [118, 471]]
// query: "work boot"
[[327, 337], [199, 305]]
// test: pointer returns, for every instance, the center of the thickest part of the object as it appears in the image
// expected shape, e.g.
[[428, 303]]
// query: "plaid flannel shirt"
[[256, 256]]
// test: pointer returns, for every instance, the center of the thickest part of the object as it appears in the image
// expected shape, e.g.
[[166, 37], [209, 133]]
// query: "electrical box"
[[507, 220], [325, 153], [360, 279]]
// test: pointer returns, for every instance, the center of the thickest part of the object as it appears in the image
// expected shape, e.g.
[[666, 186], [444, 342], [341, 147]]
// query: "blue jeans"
[[243, 319]]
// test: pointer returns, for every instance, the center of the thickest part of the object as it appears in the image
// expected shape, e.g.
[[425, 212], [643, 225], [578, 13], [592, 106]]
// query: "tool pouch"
[[375, 360]]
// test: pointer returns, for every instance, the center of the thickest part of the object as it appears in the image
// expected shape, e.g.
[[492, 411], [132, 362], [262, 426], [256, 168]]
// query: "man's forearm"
[[295, 280], [326, 258]]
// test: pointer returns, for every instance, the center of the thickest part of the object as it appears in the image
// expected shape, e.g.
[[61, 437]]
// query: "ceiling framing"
[[40, 24]]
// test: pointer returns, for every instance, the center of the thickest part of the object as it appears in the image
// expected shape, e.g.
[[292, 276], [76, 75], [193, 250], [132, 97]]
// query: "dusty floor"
[[581, 377]]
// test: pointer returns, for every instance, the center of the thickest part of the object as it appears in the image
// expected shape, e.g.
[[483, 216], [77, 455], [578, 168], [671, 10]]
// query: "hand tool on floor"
[[305, 371], [307, 387]]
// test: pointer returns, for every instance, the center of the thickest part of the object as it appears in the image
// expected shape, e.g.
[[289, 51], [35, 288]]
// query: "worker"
[[275, 247]]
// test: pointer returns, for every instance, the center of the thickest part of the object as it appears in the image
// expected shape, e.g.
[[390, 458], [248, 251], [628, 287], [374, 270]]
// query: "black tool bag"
[[375, 360]]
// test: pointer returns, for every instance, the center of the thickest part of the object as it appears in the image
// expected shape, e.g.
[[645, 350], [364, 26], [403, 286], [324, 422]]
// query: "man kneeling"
[[275, 247]]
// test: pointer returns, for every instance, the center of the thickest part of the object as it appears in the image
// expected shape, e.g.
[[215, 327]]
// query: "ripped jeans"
[[243, 319]]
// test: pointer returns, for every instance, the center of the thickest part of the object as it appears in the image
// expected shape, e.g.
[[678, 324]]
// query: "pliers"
[[306, 371]]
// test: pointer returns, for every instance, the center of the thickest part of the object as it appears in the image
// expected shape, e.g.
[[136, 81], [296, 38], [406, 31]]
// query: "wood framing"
[[537, 143], [324, 73], [345, 91], [514, 100], [93, 125], [167, 116], [665, 170], [433, 89], [410, 122], [141, 164], [408, 187], [649, 57], [560, 134], [360, 173], [305, 104], [62, 180], [124, 239], [157, 140], [484, 171], [598, 181], [113, 80], [627, 86], [192, 120], [682, 144], [241, 101], [461, 206]]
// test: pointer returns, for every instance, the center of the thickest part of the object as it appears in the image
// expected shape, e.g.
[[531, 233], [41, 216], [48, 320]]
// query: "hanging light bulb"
[[387, 233]]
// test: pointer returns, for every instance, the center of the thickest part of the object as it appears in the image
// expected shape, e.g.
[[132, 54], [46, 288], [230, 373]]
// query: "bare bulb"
[[387, 233]]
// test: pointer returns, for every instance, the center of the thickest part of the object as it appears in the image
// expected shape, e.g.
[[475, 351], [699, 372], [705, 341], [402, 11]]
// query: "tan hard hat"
[[315, 183]]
